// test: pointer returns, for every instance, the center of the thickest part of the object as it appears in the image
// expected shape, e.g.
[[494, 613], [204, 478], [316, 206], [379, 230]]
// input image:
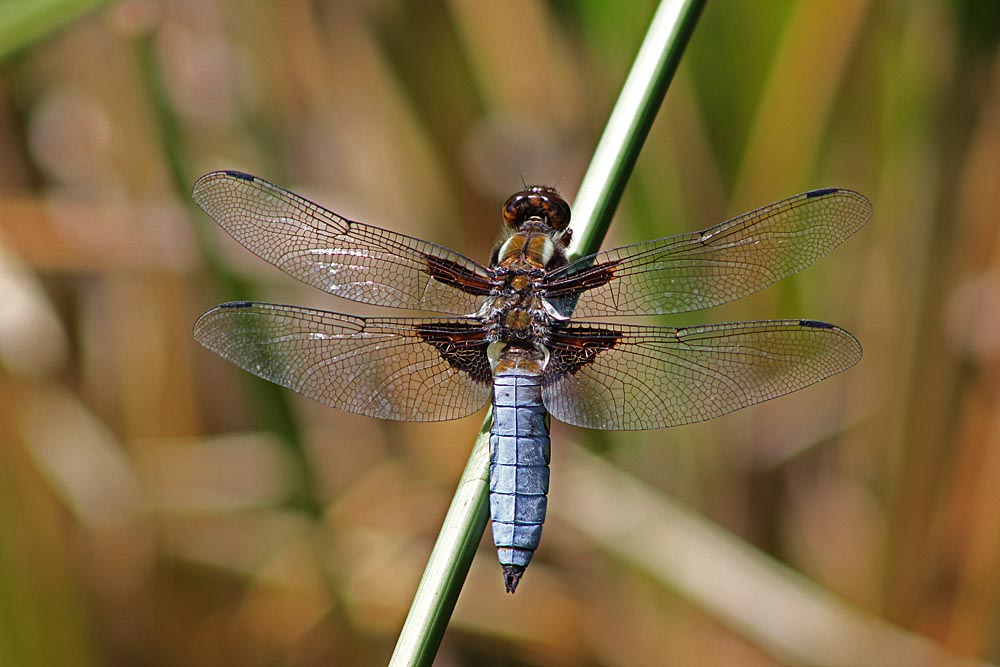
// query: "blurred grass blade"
[[797, 621], [598, 197], [23, 22]]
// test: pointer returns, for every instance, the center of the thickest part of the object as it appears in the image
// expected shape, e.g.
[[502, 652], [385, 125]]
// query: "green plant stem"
[[596, 201], [630, 121], [449, 561]]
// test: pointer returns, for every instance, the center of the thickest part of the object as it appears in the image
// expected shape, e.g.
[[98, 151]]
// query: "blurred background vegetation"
[[161, 507]]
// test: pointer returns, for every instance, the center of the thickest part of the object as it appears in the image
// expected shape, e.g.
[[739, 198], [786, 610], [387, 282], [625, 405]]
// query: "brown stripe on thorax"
[[526, 249]]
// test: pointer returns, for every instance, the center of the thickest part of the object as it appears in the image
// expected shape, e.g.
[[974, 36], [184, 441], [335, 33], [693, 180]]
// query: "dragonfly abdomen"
[[519, 468]]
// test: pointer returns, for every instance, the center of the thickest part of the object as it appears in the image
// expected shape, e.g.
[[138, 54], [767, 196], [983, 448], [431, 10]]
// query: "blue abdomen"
[[519, 470]]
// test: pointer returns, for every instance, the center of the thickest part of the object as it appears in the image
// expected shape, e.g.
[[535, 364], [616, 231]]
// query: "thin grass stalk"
[[597, 199]]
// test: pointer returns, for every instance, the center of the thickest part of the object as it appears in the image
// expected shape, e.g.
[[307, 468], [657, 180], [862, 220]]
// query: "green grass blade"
[[27, 21], [599, 194]]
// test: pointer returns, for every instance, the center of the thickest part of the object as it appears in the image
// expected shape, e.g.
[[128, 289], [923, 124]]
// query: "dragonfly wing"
[[620, 377], [390, 368], [703, 269], [346, 258]]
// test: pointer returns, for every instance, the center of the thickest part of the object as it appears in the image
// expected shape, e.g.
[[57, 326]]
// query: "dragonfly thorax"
[[516, 311], [527, 251], [520, 316]]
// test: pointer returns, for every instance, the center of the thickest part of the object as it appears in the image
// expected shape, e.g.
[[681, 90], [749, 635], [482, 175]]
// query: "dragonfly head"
[[539, 202]]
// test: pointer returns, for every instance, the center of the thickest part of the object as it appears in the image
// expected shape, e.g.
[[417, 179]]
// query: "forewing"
[[346, 258], [703, 269], [389, 368], [626, 378]]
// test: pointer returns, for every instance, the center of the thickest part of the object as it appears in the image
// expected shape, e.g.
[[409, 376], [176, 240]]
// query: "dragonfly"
[[528, 332]]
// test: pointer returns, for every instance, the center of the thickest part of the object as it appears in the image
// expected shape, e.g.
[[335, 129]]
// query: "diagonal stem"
[[600, 192], [630, 121]]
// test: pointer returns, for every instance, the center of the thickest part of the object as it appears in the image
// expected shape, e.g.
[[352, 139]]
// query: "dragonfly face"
[[512, 331]]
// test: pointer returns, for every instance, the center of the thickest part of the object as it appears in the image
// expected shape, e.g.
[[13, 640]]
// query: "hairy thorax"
[[516, 312]]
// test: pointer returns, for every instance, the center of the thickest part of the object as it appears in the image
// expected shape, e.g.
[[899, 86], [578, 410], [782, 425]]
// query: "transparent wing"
[[349, 259], [703, 269], [389, 368], [636, 377]]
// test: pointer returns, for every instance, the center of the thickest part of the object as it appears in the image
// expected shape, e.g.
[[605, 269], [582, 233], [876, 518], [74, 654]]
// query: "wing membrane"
[[389, 368], [346, 258], [720, 264], [617, 377]]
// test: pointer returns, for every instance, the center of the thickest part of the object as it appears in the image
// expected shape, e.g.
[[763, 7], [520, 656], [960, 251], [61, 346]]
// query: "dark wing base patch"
[[574, 347], [463, 346]]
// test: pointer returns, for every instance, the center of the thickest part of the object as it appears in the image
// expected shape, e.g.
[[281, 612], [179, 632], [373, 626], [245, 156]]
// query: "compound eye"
[[537, 202], [557, 212], [516, 210]]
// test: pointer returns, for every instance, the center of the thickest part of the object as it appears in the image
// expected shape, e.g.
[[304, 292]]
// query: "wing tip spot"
[[822, 192], [236, 305], [816, 324], [241, 175]]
